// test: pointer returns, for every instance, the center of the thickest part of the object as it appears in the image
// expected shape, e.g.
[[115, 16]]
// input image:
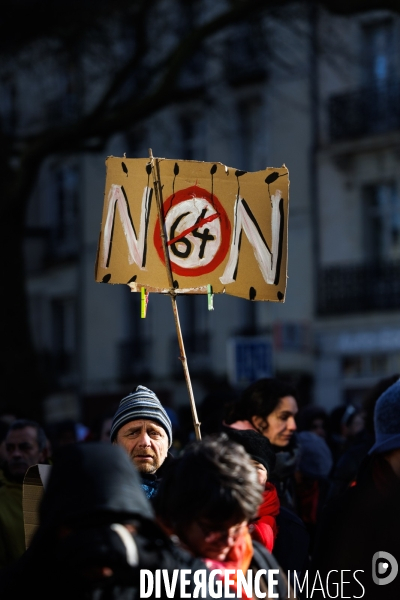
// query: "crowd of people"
[[284, 496]]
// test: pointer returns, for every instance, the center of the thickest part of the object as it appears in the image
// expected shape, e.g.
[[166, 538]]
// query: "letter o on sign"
[[198, 232]]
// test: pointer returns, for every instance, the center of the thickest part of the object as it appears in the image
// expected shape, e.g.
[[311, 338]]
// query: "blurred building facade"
[[358, 301], [316, 92]]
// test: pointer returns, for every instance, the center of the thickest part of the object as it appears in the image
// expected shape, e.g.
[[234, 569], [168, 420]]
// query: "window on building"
[[378, 52], [64, 191], [365, 365], [135, 349], [8, 102], [64, 106], [37, 318], [352, 366], [195, 324], [381, 204], [246, 53], [292, 336], [64, 342], [379, 102], [192, 129], [249, 135], [374, 108], [136, 139], [248, 317], [193, 71]]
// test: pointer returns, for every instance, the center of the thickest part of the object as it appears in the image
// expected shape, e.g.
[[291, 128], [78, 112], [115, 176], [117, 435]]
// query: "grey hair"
[[213, 479]]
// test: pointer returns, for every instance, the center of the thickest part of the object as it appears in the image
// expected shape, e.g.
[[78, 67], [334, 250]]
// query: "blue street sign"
[[249, 359]]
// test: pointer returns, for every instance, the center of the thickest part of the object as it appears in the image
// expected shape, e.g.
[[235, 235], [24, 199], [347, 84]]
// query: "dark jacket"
[[347, 466], [292, 544], [283, 474], [358, 524], [91, 488], [262, 559]]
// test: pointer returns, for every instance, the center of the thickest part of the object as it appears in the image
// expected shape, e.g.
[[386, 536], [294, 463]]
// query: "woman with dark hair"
[[269, 406]]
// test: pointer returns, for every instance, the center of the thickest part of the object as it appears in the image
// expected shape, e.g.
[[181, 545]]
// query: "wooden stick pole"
[[159, 201]]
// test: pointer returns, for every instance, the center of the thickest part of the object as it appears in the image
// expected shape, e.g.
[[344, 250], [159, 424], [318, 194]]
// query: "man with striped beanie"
[[142, 427]]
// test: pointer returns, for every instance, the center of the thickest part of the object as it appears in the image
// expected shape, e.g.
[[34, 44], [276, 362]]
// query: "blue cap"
[[387, 420]]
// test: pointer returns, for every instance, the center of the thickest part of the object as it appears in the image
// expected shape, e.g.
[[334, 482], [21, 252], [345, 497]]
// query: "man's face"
[[146, 442], [22, 451]]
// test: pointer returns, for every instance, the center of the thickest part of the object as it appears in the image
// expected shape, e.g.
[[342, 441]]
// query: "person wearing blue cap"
[[142, 427]]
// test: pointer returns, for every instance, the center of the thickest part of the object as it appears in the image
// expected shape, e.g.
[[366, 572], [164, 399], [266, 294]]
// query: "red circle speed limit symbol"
[[198, 232]]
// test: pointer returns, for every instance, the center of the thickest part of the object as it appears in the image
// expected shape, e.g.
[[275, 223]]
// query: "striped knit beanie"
[[141, 404]]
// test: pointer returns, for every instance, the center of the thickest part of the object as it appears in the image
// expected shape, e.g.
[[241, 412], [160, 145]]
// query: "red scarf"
[[264, 529]]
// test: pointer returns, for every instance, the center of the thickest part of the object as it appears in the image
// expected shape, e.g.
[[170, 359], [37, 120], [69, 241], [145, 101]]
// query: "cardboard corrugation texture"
[[32, 492]]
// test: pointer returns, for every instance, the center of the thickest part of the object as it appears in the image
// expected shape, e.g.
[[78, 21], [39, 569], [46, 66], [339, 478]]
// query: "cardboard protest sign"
[[32, 491], [224, 227]]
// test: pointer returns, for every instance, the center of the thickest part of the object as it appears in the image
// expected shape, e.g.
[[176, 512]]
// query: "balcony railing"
[[358, 288], [367, 111]]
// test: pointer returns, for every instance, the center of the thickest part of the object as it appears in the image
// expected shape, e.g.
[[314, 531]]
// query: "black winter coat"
[[363, 521], [91, 488]]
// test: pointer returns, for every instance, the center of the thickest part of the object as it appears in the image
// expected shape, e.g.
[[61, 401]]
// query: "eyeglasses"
[[212, 534]]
